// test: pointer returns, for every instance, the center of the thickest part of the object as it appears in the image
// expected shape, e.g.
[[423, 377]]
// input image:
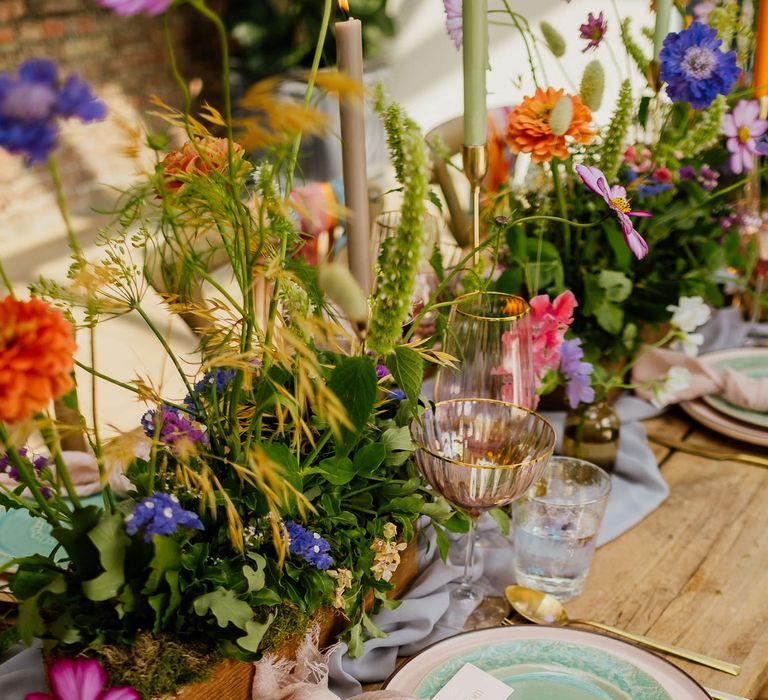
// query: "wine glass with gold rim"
[[480, 454], [490, 335]]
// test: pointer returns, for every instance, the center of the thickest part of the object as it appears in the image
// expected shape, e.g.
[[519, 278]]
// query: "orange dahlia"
[[529, 131], [36, 349], [186, 162]]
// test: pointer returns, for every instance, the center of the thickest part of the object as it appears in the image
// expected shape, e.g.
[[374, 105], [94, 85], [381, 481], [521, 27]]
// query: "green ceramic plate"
[[21, 534], [750, 361], [548, 663]]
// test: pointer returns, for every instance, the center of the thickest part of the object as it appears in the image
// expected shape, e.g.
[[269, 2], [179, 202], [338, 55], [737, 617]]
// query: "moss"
[[290, 624], [157, 666]]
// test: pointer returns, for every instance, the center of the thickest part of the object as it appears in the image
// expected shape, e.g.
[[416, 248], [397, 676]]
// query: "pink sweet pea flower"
[[550, 321], [742, 126], [81, 679], [616, 198]]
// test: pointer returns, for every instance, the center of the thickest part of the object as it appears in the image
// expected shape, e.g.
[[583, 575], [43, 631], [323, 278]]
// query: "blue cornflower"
[[160, 514], [694, 68], [310, 546], [176, 432], [32, 101], [578, 374], [396, 395], [218, 378]]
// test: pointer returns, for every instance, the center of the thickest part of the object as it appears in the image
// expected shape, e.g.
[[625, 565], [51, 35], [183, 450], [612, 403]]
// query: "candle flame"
[[344, 5]]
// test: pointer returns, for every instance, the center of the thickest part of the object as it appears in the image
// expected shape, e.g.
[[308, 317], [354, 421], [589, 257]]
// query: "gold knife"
[[709, 452]]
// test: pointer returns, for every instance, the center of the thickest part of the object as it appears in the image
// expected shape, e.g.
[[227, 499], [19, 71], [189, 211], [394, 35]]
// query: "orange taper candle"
[[760, 67]]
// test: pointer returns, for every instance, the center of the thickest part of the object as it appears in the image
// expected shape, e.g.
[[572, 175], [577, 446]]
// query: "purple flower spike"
[[593, 30], [160, 514], [578, 374], [616, 199], [694, 68], [310, 546]]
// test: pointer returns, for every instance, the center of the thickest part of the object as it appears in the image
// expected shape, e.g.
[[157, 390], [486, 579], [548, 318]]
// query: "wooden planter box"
[[232, 680]]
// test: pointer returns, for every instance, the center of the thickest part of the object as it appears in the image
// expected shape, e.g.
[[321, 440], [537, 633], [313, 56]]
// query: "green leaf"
[[369, 458], [111, 541], [517, 243], [617, 285], [398, 444], [255, 577], [226, 607], [502, 520], [407, 368], [282, 455], [354, 381], [337, 470], [372, 630], [167, 557], [435, 199], [355, 644], [609, 317], [443, 544], [254, 633], [29, 622]]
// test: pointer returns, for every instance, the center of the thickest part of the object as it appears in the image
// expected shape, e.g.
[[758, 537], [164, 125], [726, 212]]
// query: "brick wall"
[[125, 61]]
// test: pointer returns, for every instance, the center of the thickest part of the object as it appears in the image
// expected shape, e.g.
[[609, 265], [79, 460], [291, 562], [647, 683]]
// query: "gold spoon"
[[545, 609]]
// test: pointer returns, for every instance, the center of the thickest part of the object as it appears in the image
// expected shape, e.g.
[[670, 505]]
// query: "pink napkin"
[[733, 386], [306, 678]]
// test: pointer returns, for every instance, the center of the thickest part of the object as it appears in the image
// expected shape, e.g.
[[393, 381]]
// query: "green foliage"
[[613, 142], [633, 50], [706, 132]]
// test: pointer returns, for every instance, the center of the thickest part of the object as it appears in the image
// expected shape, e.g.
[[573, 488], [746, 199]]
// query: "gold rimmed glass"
[[490, 335], [480, 454]]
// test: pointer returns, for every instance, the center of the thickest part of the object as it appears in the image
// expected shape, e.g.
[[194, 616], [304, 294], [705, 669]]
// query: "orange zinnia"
[[36, 348], [186, 162], [528, 129]]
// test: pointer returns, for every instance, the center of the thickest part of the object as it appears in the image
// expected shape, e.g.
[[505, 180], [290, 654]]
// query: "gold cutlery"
[[545, 609], [722, 695], [710, 452]]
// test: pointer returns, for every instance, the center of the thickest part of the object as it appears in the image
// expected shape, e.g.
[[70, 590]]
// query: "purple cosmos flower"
[[578, 374], [694, 67], [176, 431], [593, 30], [160, 514], [80, 679], [742, 126], [31, 103], [128, 8], [616, 198], [453, 21], [310, 546]]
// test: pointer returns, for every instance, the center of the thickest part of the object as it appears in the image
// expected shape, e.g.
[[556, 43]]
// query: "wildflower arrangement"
[[281, 483], [638, 211]]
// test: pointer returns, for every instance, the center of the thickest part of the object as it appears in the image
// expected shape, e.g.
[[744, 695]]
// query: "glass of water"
[[556, 526]]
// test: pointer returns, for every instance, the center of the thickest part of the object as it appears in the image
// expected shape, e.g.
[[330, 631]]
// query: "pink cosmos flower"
[[81, 679], [593, 30], [742, 126], [453, 21], [616, 199], [128, 8]]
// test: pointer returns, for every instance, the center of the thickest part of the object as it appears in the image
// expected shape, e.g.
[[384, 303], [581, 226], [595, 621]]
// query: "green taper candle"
[[663, 13], [475, 23]]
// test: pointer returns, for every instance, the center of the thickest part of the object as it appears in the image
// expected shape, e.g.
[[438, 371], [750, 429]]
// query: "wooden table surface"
[[695, 572]]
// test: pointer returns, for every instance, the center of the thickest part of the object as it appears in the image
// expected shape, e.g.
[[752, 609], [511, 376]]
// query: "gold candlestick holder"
[[475, 160]]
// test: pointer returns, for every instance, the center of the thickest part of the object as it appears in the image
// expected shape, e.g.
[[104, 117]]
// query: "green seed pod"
[[343, 290], [593, 85], [561, 115], [553, 39]]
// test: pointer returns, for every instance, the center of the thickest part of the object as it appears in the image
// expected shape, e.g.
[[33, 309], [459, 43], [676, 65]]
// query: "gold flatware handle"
[[708, 452], [717, 664], [722, 695]]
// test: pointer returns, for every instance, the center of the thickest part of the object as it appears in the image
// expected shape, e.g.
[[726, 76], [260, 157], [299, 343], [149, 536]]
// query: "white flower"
[[691, 343], [666, 390], [689, 314]]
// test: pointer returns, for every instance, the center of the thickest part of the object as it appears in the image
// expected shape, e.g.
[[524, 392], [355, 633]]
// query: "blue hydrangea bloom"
[[176, 431], [33, 100], [310, 546], [694, 68], [160, 514], [578, 374]]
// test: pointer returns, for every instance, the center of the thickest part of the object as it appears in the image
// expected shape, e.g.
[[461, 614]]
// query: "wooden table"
[[695, 572]]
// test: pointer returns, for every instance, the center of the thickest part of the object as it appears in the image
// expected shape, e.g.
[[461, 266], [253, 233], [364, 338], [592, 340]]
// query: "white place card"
[[472, 683]]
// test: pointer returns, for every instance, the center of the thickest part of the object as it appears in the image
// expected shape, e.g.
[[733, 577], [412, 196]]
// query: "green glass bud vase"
[[592, 433]]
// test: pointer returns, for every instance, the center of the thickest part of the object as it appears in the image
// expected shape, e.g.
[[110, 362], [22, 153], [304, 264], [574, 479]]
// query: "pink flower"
[[81, 679], [453, 21], [593, 30], [128, 8], [616, 199], [550, 321], [742, 126], [663, 174]]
